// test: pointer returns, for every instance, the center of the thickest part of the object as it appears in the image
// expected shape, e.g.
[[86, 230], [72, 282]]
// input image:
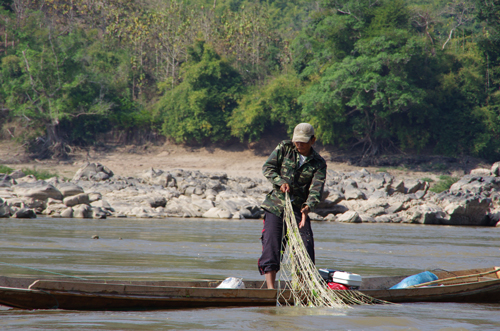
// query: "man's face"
[[305, 148]]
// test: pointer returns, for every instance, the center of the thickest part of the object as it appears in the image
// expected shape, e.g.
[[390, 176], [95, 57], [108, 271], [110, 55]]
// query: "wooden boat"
[[473, 285]]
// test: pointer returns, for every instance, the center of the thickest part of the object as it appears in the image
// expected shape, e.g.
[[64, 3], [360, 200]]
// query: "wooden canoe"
[[473, 285]]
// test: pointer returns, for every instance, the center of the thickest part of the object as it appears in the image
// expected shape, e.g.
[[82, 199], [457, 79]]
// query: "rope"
[[50, 272], [304, 285]]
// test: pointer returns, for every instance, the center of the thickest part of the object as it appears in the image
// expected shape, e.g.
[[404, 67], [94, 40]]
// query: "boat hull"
[[149, 295]]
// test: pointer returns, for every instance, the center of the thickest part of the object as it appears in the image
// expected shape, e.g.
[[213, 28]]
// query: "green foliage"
[[443, 184], [5, 169], [427, 179], [385, 75], [275, 102], [200, 106], [362, 93], [39, 174]]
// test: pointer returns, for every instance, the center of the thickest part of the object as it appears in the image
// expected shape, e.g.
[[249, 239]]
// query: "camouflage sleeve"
[[316, 188], [272, 166]]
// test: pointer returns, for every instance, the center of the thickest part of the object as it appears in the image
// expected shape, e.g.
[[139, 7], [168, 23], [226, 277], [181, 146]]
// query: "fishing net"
[[300, 282]]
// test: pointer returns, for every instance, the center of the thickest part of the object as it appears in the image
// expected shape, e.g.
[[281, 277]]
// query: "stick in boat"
[[495, 270]]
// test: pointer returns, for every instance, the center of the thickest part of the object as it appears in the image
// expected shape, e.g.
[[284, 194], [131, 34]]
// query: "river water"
[[175, 249]]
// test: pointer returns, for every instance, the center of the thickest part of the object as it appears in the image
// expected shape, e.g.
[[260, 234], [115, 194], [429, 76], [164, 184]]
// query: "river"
[[172, 249]]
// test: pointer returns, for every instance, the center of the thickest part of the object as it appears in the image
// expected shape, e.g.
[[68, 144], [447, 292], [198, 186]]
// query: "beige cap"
[[303, 133]]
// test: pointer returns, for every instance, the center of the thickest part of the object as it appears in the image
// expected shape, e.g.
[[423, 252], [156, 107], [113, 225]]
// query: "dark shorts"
[[272, 241]]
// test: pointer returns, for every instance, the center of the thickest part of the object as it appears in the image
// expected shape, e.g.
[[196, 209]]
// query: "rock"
[[82, 198], [352, 193], [217, 213], [38, 190], [315, 217], [495, 169], [18, 203], [480, 172], [4, 210], [98, 213], [349, 217], [468, 210], [27, 179], [95, 237], [67, 213], [158, 177], [82, 211], [94, 197], [412, 186], [16, 174], [24, 213], [102, 204], [424, 214], [157, 201], [330, 218], [54, 209], [93, 172], [335, 209], [69, 189], [252, 211], [203, 204], [399, 186], [475, 184]]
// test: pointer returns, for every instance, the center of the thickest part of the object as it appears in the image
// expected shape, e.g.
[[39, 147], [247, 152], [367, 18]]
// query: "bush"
[[39, 174], [5, 169], [444, 183]]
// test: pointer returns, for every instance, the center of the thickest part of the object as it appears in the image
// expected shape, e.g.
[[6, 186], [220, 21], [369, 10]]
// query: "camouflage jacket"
[[306, 182]]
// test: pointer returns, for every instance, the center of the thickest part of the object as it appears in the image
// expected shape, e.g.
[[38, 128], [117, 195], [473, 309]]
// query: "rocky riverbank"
[[355, 197]]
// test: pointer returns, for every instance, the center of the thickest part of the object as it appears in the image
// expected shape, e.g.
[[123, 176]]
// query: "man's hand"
[[285, 188], [305, 211]]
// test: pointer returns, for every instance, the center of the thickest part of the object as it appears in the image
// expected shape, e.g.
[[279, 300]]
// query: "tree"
[[200, 106], [275, 102], [46, 80]]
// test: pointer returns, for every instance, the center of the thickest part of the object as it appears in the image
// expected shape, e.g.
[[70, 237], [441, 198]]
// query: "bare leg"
[[270, 279]]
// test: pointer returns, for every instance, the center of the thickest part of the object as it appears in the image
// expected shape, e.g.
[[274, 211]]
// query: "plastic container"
[[232, 282], [420, 278]]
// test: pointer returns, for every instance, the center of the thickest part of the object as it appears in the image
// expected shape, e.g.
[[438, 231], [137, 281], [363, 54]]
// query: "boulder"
[[94, 196], [217, 213], [82, 211], [349, 217], [480, 172], [475, 184], [54, 209], [468, 210], [98, 213], [315, 217], [423, 214], [16, 174], [82, 198], [158, 177], [67, 213], [24, 213], [104, 204], [157, 201], [495, 169], [93, 172], [330, 218], [27, 179], [39, 190], [69, 189], [4, 210]]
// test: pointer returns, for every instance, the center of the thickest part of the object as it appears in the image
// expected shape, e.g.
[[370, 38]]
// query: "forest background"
[[380, 76]]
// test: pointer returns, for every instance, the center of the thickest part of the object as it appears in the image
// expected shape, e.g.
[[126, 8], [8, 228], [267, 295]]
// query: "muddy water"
[[216, 249]]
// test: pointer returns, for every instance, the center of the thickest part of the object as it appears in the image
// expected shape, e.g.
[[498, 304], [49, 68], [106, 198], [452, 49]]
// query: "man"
[[294, 167]]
